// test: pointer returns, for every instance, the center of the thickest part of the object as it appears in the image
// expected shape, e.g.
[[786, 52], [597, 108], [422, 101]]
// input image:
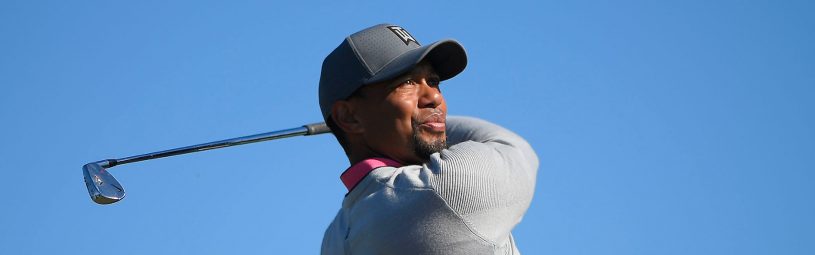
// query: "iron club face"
[[102, 187]]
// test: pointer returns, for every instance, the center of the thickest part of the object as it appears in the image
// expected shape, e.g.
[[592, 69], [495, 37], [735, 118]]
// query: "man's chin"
[[427, 141], [426, 147]]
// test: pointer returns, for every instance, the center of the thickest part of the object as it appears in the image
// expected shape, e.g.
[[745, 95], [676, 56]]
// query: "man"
[[419, 182]]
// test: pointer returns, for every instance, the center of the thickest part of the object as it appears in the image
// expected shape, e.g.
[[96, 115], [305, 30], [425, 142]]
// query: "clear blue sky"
[[683, 127]]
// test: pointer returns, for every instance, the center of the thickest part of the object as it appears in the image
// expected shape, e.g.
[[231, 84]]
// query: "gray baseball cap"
[[380, 53]]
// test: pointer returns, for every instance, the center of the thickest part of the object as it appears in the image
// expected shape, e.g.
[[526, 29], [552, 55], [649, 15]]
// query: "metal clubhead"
[[103, 188]]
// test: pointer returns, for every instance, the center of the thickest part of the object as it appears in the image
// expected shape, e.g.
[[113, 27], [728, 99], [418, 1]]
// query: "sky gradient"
[[681, 127]]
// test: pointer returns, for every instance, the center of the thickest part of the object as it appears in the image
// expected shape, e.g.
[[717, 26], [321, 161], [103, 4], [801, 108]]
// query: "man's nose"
[[429, 96]]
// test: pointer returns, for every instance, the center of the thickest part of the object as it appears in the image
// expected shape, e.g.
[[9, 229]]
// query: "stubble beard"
[[423, 149]]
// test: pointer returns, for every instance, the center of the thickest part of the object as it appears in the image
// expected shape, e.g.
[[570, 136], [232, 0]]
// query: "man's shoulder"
[[410, 177], [405, 214]]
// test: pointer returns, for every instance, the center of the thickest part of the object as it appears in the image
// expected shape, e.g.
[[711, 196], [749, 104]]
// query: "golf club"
[[104, 189]]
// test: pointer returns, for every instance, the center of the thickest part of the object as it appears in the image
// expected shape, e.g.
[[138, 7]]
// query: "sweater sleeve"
[[487, 176]]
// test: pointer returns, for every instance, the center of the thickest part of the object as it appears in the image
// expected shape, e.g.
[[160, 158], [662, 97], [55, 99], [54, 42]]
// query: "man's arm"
[[487, 176]]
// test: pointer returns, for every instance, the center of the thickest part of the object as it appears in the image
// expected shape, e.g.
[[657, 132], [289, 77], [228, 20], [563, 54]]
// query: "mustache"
[[435, 115]]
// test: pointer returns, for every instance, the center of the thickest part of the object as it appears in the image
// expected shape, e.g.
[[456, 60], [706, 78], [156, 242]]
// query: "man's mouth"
[[434, 123]]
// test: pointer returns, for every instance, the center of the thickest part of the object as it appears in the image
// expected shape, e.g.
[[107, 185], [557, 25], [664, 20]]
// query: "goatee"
[[423, 148]]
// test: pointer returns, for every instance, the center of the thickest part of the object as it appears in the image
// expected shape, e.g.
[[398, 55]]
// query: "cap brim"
[[447, 57]]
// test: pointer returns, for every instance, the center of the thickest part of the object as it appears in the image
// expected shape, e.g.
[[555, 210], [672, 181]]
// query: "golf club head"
[[103, 188]]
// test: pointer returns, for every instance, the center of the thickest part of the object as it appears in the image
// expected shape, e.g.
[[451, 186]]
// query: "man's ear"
[[344, 115]]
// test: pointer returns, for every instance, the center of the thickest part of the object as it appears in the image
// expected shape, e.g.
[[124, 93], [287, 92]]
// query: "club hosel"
[[107, 163]]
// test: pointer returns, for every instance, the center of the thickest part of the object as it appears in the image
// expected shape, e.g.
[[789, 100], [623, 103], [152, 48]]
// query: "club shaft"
[[311, 129]]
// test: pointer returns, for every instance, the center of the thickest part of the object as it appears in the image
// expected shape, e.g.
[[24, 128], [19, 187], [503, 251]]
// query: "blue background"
[[663, 127]]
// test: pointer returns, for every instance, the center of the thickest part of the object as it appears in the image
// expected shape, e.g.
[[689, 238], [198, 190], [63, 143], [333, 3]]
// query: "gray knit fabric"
[[465, 200]]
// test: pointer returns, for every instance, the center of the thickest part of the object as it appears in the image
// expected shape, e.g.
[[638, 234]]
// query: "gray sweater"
[[465, 200]]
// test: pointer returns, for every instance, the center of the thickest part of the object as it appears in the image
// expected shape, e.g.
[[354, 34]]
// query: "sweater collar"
[[354, 174]]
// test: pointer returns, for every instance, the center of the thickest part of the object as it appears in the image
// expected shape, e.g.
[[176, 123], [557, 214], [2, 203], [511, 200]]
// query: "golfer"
[[419, 182]]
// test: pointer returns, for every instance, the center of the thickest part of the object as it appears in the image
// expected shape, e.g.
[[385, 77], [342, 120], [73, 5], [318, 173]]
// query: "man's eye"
[[433, 81], [409, 82]]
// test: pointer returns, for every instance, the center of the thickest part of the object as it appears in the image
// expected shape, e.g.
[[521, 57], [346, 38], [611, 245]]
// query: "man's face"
[[404, 118]]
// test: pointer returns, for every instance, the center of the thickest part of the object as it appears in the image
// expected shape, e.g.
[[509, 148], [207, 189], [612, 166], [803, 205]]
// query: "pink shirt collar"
[[358, 171]]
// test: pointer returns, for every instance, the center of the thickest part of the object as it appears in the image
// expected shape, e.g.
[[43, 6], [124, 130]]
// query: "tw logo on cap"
[[403, 34]]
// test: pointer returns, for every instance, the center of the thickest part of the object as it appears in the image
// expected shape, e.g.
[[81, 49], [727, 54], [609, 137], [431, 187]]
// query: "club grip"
[[317, 128]]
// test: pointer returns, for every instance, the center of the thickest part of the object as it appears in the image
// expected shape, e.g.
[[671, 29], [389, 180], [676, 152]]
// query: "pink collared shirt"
[[358, 171]]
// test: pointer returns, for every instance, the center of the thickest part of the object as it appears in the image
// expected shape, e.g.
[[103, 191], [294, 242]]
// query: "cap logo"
[[403, 34]]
